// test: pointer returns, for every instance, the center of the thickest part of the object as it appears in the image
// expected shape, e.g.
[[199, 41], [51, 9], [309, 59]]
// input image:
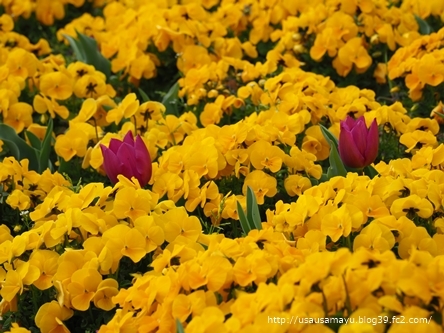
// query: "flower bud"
[[358, 145], [127, 158]]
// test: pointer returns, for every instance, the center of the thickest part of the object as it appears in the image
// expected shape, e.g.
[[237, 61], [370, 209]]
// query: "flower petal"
[[359, 133], [114, 145], [348, 151], [111, 164], [127, 157], [372, 148], [143, 161], [129, 139]]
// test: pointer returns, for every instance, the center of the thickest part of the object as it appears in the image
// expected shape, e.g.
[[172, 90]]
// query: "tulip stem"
[[348, 243], [135, 125], [95, 128], [347, 297]]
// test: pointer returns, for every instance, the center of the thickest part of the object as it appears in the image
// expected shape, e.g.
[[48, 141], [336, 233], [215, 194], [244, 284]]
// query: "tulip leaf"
[[253, 215], [43, 149], [34, 140], [424, 27], [179, 327], [76, 47], [18, 147], [336, 168], [243, 219], [86, 50], [329, 136], [44, 161], [171, 99], [144, 96], [370, 171]]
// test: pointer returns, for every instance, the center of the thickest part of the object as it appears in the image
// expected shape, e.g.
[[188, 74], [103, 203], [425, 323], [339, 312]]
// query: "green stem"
[[347, 297], [348, 243], [135, 124], [95, 127]]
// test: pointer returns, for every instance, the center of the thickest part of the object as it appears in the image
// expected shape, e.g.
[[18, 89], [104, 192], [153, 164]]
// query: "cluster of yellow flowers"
[[421, 63], [346, 246]]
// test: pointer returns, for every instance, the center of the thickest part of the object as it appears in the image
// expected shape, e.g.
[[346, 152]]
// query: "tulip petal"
[[129, 139], [348, 151], [349, 123], [111, 164], [114, 145], [372, 148], [127, 157], [359, 133], [143, 161]]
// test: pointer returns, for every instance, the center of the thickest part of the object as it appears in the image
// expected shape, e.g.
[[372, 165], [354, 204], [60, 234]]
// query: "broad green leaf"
[[243, 219], [77, 48], [336, 168], [424, 27], [46, 148], [18, 147], [370, 171], [86, 50], [253, 215], [93, 55], [145, 97], [34, 140], [179, 327], [171, 99], [329, 136]]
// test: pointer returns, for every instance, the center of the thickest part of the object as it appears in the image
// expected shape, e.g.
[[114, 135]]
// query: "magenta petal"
[[349, 123], [114, 145], [348, 151], [111, 164], [372, 143], [359, 133], [127, 157], [129, 139], [143, 161]]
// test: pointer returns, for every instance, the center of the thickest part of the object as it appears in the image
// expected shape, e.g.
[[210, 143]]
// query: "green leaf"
[[253, 215], [171, 100], [86, 50], [145, 97], [243, 219], [329, 136], [424, 27], [34, 140], [44, 161], [370, 171], [77, 48], [93, 55], [336, 168], [179, 327], [18, 147]]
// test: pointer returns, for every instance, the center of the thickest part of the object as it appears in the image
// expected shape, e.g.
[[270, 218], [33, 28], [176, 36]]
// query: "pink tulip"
[[358, 145], [127, 158]]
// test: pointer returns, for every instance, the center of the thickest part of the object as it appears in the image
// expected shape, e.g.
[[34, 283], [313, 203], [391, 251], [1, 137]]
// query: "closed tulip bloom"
[[127, 158], [358, 145]]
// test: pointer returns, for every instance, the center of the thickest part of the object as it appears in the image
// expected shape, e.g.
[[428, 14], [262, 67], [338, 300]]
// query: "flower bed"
[[221, 166]]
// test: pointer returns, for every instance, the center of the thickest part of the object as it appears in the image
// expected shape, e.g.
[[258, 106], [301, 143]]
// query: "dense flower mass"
[[221, 166]]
